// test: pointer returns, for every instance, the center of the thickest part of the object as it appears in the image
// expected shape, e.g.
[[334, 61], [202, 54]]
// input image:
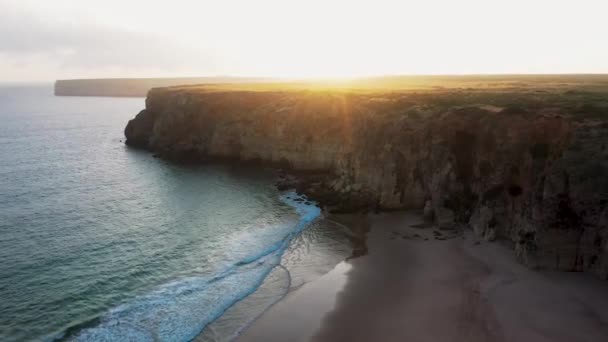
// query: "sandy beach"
[[417, 283]]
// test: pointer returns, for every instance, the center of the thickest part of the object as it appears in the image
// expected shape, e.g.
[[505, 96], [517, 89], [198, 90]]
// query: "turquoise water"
[[100, 242]]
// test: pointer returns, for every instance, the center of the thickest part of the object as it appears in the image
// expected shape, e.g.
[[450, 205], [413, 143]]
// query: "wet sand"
[[411, 286]]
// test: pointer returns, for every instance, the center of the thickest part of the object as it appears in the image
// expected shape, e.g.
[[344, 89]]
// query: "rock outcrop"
[[534, 174]]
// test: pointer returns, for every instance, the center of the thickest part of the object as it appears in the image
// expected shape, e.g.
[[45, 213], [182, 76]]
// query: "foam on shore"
[[180, 310]]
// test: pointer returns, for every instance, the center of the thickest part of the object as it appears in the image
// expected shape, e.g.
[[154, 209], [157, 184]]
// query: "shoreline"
[[414, 284], [318, 246]]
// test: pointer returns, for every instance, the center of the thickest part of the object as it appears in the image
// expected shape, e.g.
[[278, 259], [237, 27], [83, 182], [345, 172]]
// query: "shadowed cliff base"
[[518, 158], [423, 284]]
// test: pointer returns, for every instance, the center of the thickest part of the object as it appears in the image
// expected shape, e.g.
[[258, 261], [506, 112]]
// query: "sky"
[[46, 40]]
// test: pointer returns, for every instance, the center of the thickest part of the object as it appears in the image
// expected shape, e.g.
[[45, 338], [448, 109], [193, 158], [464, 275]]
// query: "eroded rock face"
[[539, 180]]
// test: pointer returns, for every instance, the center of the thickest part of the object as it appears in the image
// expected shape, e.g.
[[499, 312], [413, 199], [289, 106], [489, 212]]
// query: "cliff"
[[528, 166]]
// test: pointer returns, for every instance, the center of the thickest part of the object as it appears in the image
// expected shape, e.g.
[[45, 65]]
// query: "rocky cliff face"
[[535, 175]]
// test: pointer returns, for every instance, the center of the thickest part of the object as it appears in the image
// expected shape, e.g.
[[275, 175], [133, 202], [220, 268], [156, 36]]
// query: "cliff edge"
[[527, 165]]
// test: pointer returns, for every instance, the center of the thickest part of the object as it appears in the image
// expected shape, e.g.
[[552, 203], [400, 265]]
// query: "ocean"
[[102, 242]]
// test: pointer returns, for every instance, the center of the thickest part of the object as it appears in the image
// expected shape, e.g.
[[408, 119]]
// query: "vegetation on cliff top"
[[582, 96]]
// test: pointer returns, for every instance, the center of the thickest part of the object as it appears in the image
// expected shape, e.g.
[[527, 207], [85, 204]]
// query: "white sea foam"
[[180, 310]]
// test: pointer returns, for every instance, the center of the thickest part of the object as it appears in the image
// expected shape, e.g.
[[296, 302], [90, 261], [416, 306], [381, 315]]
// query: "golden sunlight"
[[314, 38], [357, 38]]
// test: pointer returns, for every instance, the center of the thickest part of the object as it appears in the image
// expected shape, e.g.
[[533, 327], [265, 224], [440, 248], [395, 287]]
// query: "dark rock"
[[422, 225]]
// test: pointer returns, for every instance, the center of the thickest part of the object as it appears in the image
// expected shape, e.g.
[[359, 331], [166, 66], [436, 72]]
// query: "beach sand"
[[412, 284]]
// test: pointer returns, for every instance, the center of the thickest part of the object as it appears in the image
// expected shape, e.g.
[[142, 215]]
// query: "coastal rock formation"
[[533, 174]]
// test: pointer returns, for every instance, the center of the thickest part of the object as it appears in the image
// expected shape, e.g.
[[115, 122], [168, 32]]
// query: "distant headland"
[[136, 87]]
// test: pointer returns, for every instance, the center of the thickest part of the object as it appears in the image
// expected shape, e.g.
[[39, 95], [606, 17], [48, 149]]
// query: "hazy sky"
[[49, 39]]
